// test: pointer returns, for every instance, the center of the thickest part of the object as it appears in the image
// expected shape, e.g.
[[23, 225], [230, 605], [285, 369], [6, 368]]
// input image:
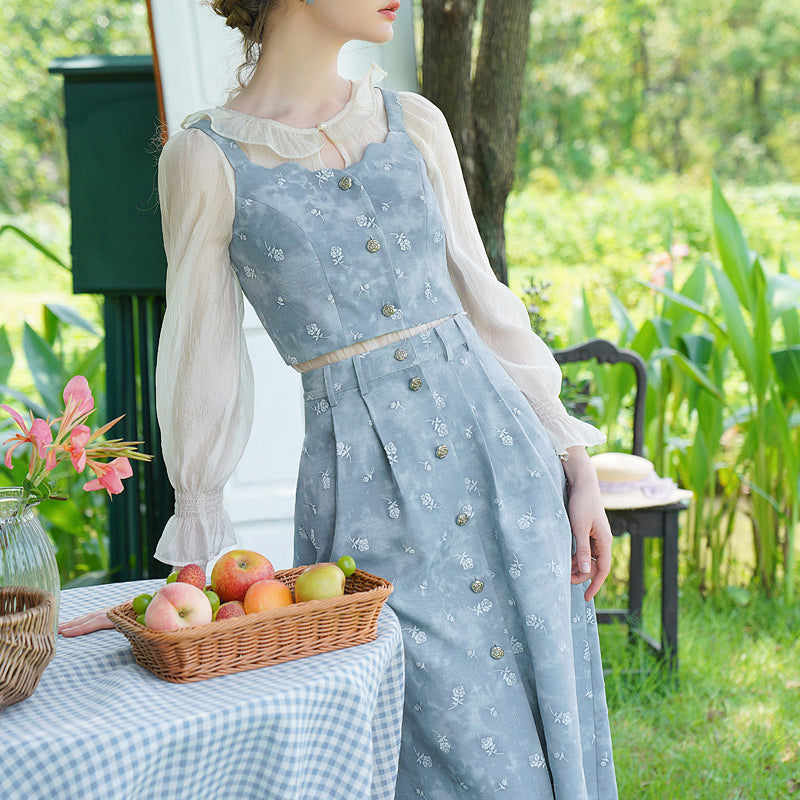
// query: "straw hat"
[[628, 482]]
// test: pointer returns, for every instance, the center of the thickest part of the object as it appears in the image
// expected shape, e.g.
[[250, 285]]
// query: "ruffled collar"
[[296, 143]]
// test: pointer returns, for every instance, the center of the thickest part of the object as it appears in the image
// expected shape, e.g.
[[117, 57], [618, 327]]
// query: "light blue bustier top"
[[332, 257]]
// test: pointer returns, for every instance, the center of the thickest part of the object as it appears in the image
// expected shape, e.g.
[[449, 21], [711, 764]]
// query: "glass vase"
[[27, 557]]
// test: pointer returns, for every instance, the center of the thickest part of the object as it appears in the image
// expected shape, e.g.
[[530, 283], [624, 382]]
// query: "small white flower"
[[437, 398], [390, 448], [416, 634], [250, 273], [515, 570], [320, 407], [308, 535], [316, 212], [537, 623], [360, 544], [468, 431], [343, 450], [561, 717], [457, 696], [396, 405], [326, 479], [386, 206], [426, 465], [489, 747], [428, 501], [508, 676], [465, 561], [437, 237], [364, 221], [324, 175], [442, 741], [367, 477], [438, 425], [517, 646], [280, 302], [484, 607], [403, 242], [537, 761], [502, 785], [392, 508], [555, 568], [504, 436], [527, 519], [275, 253], [429, 293], [472, 486], [424, 760], [410, 551]]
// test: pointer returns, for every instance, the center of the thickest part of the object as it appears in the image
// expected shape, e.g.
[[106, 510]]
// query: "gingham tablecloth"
[[100, 726]]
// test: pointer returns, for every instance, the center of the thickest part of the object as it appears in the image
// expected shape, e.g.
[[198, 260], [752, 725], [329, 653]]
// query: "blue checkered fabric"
[[100, 726]]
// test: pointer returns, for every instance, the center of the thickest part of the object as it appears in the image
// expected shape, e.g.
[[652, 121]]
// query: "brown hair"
[[249, 17]]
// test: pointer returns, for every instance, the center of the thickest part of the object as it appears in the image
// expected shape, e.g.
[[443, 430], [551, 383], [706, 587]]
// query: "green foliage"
[[32, 154], [729, 730], [653, 86], [723, 407]]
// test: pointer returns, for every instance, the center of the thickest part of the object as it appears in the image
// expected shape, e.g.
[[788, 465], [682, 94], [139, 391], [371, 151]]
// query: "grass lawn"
[[730, 729]]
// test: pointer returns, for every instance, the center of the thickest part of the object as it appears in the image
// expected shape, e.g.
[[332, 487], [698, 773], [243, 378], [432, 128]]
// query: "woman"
[[433, 425]]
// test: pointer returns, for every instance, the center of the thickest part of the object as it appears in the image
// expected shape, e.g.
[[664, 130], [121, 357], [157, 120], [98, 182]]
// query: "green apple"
[[140, 603], [319, 582], [347, 564]]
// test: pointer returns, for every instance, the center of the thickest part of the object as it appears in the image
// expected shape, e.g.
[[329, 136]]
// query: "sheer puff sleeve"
[[204, 380], [499, 316]]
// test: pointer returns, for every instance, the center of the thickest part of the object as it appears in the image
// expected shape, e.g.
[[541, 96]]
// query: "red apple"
[[233, 608], [319, 582], [267, 595], [236, 571], [177, 605]]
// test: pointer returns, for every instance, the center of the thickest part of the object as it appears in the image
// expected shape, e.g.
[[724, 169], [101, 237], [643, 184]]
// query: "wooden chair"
[[659, 522]]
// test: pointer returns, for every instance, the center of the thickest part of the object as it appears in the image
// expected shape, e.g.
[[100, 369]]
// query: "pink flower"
[[109, 476], [679, 251], [78, 403], [78, 439], [78, 393], [38, 434]]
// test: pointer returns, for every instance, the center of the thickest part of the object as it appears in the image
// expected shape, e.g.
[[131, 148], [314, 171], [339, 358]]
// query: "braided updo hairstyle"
[[249, 17]]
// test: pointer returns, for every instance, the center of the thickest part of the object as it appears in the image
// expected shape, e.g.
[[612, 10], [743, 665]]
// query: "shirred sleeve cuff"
[[197, 532], [564, 431]]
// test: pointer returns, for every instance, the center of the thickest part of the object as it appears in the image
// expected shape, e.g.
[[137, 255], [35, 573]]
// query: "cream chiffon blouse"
[[203, 375]]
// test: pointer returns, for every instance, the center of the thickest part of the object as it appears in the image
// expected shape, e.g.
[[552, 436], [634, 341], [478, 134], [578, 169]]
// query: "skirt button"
[[388, 310], [477, 586], [414, 384], [373, 245], [441, 451], [400, 355], [497, 652], [345, 183], [462, 519]]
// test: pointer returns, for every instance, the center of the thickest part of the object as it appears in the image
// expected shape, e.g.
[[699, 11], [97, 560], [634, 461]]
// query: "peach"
[[267, 595], [177, 605], [236, 571]]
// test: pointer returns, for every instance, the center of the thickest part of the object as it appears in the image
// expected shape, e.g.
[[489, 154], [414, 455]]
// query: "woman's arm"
[[204, 380], [502, 322], [499, 316]]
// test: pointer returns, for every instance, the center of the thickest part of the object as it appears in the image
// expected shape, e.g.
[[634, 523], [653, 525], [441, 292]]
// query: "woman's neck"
[[296, 81]]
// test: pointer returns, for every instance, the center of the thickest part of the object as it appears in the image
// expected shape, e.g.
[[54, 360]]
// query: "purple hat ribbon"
[[651, 486]]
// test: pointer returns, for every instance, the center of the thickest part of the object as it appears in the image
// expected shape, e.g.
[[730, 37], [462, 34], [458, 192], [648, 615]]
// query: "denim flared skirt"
[[423, 460]]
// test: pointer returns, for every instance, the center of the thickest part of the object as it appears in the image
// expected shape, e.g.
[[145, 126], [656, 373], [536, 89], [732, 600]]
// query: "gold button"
[[345, 182], [441, 451], [477, 586], [497, 652], [462, 519], [373, 245], [400, 355], [414, 384], [388, 310]]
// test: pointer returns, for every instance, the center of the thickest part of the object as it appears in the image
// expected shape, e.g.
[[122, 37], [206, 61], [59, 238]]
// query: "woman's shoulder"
[[419, 111], [193, 159]]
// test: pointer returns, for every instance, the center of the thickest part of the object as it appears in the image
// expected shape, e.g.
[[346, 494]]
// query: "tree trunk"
[[481, 110]]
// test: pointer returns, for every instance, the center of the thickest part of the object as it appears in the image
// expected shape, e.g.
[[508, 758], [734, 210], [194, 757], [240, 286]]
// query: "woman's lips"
[[390, 12]]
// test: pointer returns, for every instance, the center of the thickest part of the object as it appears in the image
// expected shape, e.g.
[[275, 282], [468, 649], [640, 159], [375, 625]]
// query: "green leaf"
[[28, 402], [681, 300], [732, 247], [6, 355], [692, 370], [45, 368], [71, 317], [35, 243], [94, 578], [787, 368], [739, 336], [784, 293], [740, 596]]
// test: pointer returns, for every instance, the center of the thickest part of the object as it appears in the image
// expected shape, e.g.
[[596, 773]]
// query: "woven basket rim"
[[43, 601], [121, 615]]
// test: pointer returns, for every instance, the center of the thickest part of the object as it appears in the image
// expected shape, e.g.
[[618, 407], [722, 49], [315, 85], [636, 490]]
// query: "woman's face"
[[367, 20]]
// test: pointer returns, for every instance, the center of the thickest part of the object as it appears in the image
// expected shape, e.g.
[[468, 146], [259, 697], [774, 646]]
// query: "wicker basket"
[[262, 639], [27, 641]]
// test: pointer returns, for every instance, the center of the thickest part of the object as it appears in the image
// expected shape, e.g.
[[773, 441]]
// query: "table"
[[100, 726]]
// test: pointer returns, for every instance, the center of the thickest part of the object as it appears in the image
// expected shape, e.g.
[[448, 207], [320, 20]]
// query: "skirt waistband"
[[356, 372]]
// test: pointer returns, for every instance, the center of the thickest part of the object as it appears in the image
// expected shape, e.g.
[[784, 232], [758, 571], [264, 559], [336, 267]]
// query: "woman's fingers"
[[87, 623]]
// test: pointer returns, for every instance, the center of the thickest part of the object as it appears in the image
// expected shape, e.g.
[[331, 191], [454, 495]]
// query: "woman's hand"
[[87, 623], [592, 557]]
